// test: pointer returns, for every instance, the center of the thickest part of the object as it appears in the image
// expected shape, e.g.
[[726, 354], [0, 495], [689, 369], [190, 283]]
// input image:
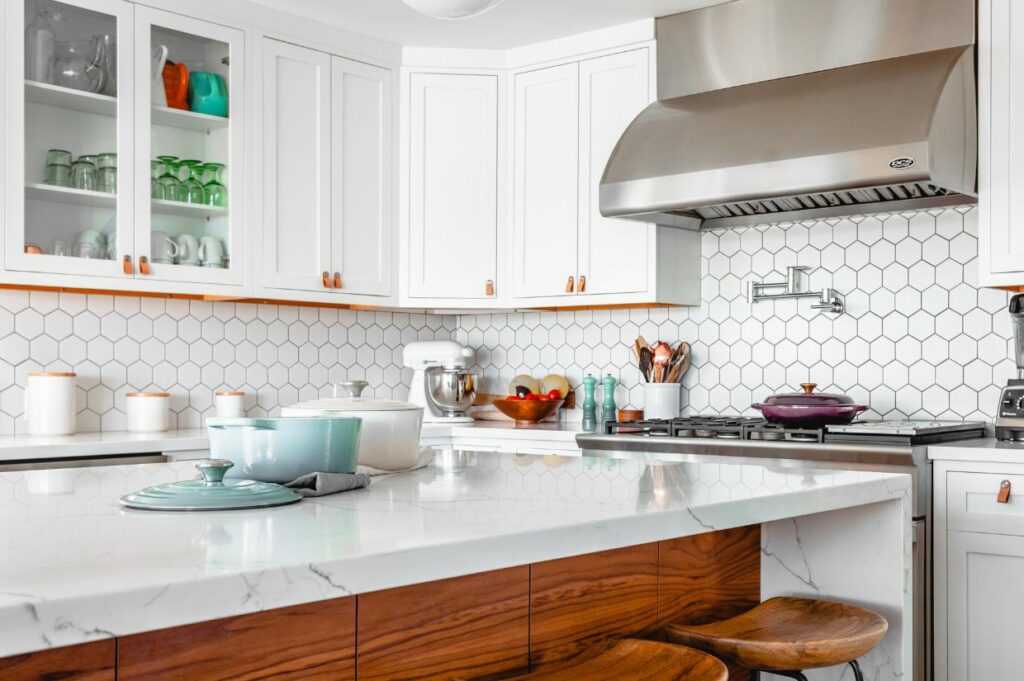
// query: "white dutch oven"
[[391, 429]]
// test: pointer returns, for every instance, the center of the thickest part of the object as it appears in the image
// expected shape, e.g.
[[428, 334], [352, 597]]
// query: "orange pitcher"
[[176, 84]]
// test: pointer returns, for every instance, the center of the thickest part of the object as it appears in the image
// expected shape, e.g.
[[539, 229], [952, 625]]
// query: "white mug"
[[211, 251], [50, 403], [147, 412], [162, 247], [229, 404], [188, 250]]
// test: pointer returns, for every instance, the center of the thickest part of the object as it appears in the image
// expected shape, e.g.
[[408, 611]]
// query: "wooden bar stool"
[[637, 660], [786, 636]]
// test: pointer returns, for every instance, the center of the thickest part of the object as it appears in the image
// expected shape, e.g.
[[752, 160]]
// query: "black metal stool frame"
[[799, 676]]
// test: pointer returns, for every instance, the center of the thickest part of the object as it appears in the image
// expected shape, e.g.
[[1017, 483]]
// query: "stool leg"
[[799, 676], [857, 675]]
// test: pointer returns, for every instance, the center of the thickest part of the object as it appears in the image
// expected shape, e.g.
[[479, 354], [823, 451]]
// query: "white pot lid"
[[356, 404]]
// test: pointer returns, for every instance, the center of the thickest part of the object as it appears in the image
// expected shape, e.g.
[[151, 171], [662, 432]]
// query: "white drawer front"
[[972, 503]]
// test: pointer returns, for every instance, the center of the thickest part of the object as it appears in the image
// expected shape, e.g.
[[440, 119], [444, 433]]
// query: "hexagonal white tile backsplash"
[[919, 340], [277, 355]]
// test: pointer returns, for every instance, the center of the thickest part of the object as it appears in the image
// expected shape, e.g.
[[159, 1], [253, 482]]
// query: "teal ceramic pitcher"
[[208, 93]]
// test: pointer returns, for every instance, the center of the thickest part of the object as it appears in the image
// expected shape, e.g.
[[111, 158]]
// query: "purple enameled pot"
[[808, 409]]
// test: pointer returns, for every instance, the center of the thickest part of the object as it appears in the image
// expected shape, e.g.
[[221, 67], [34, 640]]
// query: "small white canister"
[[50, 403], [147, 412], [661, 400], [229, 404]]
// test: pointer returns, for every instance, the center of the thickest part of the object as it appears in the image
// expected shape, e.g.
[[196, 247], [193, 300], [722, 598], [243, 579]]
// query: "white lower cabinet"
[[327, 160], [451, 249], [568, 119], [979, 571]]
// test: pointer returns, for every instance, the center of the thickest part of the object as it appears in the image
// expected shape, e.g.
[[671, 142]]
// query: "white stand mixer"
[[441, 383]]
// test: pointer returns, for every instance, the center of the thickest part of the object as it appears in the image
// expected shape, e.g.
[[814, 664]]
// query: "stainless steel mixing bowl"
[[450, 391]]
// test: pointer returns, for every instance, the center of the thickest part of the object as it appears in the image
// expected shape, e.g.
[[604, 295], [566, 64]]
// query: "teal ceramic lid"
[[212, 493]]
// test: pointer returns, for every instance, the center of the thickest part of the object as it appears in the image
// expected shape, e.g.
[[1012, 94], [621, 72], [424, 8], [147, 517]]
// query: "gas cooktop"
[[898, 432]]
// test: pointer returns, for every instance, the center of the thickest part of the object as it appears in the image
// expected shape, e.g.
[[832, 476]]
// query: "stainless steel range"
[[899, 446]]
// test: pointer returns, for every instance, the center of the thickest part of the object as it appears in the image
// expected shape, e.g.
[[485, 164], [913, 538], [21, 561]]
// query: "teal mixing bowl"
[[283, 449]]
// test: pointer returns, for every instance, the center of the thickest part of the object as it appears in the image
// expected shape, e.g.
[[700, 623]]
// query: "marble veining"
[[77, 567]]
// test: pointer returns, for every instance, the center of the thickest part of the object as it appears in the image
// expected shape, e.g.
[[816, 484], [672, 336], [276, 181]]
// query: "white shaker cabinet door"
[[985, 601], [361, 225], [297, 167], [546, 182], [615, 256], [453, 177], [1000, 141]]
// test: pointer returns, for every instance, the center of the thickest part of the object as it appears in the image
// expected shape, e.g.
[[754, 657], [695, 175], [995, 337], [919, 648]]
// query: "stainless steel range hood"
[[773, 110]]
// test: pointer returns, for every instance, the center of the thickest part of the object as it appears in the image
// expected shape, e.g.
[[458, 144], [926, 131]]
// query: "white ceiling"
[[513, 23]]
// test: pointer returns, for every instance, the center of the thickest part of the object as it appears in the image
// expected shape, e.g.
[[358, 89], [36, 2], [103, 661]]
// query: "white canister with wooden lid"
[[147, 412], [229, 404], [50, 403]]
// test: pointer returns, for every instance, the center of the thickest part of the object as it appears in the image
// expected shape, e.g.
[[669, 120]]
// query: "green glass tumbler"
[[168, 184], [192, 186], [216, 192]]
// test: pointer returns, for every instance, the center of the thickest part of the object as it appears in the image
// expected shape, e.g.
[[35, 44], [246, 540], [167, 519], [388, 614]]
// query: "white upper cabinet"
[[327, 159], [545, 204], [189, 151], [85, 125], [614, 255], [1000, 142], [60, 220], [568, 119], [361, 178], [451, 250]]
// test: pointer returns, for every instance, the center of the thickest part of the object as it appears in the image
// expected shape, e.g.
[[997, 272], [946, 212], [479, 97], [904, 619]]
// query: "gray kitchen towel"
[[320, 484]]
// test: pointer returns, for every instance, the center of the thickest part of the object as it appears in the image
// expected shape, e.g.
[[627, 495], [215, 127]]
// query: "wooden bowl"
[[528, 411]]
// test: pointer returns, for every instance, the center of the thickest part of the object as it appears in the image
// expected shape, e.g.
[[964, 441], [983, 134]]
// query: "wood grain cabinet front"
[[461, 628], [309, 641], [84, 662]]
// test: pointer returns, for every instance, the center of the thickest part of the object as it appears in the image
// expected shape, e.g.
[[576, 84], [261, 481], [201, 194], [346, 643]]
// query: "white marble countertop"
[[75, 566], [25, 448], [989, 450], [19, 448]]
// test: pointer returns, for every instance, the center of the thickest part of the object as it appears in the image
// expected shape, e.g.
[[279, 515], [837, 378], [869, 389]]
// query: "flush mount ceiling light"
[[451, 9]]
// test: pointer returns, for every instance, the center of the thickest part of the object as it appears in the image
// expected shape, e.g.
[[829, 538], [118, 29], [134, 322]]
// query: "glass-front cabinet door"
[[188, 150], [69, 207]]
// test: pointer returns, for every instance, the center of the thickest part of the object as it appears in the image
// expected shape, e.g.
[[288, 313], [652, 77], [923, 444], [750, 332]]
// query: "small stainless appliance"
[[1010, 413], [441, 382]]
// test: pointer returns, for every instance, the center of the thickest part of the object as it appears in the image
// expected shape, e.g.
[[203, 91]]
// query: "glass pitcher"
[[78, 65]]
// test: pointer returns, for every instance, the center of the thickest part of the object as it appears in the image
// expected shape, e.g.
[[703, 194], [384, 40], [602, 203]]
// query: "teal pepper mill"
[[589, 404], [608, 407]]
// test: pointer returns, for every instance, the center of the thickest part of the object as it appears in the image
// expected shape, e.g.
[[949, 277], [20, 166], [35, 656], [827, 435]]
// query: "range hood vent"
[[893, 132]]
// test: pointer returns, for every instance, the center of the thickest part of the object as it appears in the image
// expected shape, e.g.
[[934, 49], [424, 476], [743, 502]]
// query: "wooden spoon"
[[662, 361], [646, 360]]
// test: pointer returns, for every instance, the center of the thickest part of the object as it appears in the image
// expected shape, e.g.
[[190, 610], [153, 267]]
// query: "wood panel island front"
[[482, 565]]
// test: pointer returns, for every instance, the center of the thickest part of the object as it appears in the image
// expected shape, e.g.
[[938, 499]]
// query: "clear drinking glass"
[[193, 186], [83, 175], [169, 185], [216, 192], [58, 174], [59, 157], [106, 174], [90, 158]]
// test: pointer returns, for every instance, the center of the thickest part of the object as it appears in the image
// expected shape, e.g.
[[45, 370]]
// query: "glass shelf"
[[66, 98], [187, 210], [69, 195]]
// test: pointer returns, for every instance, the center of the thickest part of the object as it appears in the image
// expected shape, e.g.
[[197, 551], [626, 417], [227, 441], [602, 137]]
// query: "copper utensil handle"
[[1004, 492], [144, 265], [570, 285], [583, 283], [808, 387], [489, 287], [126, 265], [325, 277], [337, 280]]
